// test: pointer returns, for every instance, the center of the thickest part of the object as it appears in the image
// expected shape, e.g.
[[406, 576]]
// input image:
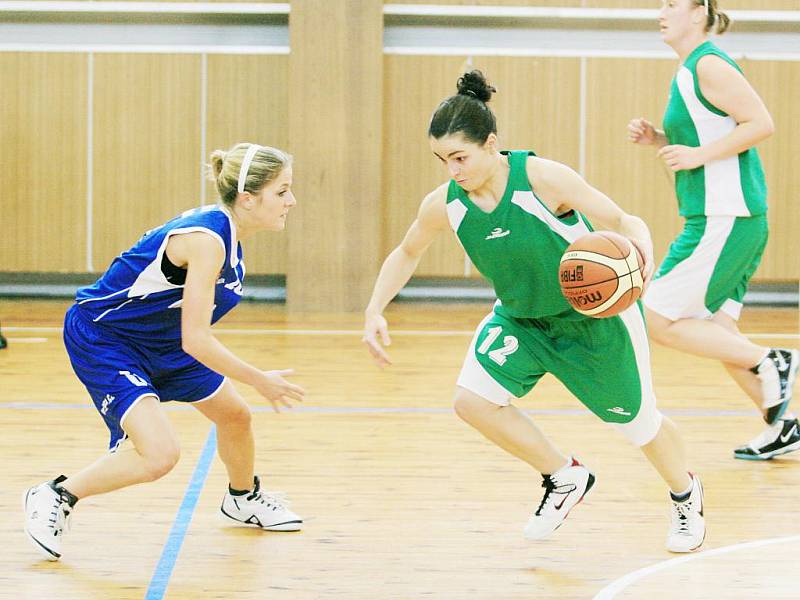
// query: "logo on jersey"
[[618, 410], [235, 287], [497, 232], [106, 402]]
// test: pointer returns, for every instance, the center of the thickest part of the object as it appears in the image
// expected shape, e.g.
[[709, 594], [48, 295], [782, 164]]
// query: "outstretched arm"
[[398, 268], [203, 257]]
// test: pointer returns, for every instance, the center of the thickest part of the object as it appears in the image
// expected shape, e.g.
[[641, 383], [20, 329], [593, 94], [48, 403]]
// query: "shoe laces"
[[680, 515], [59, 516], [275, 499], [551, 485]]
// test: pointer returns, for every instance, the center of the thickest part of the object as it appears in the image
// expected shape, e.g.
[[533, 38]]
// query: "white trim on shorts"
[[647, 422], [212, 394], [681, 293], [474, 378], [134, 403]]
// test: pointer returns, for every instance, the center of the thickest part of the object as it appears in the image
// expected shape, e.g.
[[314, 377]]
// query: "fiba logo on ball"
[[601, 274]]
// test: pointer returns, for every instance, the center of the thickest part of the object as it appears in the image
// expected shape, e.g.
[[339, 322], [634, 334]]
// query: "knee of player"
[[162, 463], [468, 406], [240, 416]]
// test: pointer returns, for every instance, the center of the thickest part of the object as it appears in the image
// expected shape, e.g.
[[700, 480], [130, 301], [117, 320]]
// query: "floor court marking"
[[611, 590], [358, 332], [379, 410], [160, 580]]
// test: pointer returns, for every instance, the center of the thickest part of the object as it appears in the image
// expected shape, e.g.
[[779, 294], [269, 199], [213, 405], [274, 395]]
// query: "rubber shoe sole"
[[41, 548]]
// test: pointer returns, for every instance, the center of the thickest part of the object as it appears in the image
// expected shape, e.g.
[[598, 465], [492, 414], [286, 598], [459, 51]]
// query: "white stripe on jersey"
[[723, 185]]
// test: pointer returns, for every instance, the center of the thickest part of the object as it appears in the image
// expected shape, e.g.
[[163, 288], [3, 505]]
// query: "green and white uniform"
[[724, 202], [532, 330]]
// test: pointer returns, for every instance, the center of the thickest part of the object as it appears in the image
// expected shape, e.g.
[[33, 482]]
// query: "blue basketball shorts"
[[119, 372]]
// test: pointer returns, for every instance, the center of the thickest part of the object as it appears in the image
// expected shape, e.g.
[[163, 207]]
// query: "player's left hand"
[[681, 158]]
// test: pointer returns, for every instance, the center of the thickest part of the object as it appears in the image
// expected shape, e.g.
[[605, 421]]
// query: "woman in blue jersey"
[[141, 335], [515, 214], [712, 123]]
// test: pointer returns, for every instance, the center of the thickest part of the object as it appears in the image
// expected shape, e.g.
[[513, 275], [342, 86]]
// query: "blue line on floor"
[[160, 580]]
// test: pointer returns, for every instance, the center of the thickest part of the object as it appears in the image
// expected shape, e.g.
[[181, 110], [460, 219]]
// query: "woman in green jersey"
[[712, 123], [515, 214]]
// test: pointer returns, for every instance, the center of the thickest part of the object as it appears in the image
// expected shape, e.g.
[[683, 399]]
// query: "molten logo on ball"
[[601, 274]]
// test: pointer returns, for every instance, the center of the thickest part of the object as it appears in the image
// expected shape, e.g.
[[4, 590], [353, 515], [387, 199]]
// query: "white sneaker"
[[267, 510], [46, 517], [781, 438], [563, 490], [688, 527], [777, 373]]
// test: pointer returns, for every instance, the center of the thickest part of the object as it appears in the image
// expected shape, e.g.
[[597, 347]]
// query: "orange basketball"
[[601, 274]]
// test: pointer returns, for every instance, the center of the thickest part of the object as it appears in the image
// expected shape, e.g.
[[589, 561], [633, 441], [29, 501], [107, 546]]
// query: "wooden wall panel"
[[43, 162], [617, 91], [335, 104], [778, 83], [536, 107], [146, 145], [248, 102]]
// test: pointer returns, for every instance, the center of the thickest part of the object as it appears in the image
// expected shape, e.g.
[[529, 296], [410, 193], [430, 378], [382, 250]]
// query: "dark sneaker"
[[777, 439]]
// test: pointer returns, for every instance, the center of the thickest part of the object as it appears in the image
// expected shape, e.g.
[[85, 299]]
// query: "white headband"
[[705, 4], [248, 158]]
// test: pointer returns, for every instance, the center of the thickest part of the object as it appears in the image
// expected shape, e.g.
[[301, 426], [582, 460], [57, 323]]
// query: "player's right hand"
[[375, 326], [641, 131], [277, 390]]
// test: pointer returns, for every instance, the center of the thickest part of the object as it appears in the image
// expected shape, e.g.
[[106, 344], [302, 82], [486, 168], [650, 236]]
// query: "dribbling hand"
[[278, 391], [646, 250], [374, 326]]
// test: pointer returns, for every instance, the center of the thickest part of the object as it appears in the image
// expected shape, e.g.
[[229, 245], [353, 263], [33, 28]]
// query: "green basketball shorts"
[[605, 363], [708, 267]]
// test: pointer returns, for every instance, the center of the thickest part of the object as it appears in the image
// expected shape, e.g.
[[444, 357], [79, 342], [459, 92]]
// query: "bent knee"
[[241, 415], [470, 407], [162, 463]]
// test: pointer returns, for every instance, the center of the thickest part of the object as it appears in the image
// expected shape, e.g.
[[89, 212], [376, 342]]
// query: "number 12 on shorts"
[[498, 355]]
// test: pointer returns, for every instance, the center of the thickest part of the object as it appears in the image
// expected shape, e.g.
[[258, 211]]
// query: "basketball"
[[601, 274]]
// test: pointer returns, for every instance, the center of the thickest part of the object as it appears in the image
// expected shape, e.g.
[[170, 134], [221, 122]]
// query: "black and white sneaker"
[[562, 491], [257, 508], [777, 373], [47, 510], [687, 529], [781, 438]]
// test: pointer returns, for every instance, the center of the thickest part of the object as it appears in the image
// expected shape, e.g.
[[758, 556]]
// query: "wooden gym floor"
[[401, 499]]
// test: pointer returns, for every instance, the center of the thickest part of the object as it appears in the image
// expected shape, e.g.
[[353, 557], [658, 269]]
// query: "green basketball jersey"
[[733, 186], [518, 246]]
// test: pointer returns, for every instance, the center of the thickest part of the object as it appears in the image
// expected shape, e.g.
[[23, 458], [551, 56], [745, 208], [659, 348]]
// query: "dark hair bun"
[[474, 84]]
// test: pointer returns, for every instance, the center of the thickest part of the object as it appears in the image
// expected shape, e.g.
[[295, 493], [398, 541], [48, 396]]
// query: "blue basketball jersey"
[[141, 293]]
